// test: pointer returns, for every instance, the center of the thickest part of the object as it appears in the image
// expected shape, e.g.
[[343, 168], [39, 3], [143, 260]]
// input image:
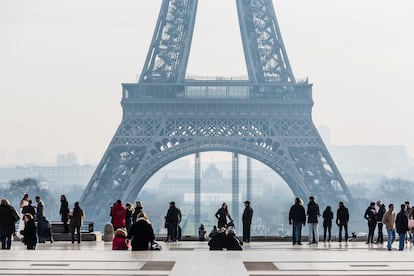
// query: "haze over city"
[[63, 63]]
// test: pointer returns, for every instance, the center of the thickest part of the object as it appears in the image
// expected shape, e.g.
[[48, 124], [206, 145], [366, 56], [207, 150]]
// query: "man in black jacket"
[[401, 223], [297, 218], [380, 214], [342, 219], [313, 215], [247, 221], [172, 219]]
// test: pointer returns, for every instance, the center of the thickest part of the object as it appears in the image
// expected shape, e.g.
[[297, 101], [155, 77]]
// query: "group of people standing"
[[298, 215], [401, 223], [33, 227]]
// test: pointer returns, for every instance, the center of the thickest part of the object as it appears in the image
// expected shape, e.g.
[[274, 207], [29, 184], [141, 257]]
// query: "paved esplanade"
[[194, 258]]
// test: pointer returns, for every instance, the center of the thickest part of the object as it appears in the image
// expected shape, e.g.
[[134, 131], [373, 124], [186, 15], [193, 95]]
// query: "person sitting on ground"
[[29, 232], [218, 240], [141, 233], [44, 230], [202, 233], [213, 232], [120, 241], [232, 242]]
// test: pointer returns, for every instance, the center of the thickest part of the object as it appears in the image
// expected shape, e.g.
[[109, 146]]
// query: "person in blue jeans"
[[388, 219], [297, 218], [401, 223]]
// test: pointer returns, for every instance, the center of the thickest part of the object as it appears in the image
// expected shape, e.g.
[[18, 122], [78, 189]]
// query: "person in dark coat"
[[222, 215], [8, 219], [313, 213], [327, 223], [218, 240], [342, 219], [44, 230], [128, 215], [172, 219], [371, 217], [202, 233], [40, 208], [380, 214], [29, 209], [401, 223], [297, 218], [232, 242], [64, 212], [76, 221], [29, 232], [141, 233], [247, 221]]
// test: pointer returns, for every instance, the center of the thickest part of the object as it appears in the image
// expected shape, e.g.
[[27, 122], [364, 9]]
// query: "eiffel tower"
[[167, 116]]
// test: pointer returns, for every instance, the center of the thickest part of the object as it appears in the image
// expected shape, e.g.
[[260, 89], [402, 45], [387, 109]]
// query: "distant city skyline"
[[60, 87]]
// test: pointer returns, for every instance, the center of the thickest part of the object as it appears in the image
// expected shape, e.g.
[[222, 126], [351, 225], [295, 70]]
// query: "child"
[[120, 241], [29, 232], [327, 223]]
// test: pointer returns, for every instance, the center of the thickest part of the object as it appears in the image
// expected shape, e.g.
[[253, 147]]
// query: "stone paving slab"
[[194, 258]]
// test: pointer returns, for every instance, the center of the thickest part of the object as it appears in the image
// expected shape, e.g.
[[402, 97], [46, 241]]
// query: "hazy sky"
[[62, 63]]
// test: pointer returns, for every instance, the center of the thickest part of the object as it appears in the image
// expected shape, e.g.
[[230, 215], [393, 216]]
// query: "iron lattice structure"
[[166, 116]]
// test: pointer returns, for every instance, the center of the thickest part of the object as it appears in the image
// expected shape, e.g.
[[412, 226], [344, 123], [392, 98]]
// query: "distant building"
[[66, 160]]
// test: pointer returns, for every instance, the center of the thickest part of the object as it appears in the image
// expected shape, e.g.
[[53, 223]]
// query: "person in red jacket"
[[120, 241], [118, 214]]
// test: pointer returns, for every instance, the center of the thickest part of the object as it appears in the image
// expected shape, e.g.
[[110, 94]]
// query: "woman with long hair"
[[222, 215]]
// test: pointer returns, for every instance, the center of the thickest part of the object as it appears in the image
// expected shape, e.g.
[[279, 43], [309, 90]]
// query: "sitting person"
[[232, 242], [141, 233], [202, 233], [218, 240], [44, 230], [213, 232], [29, 232], [120, 241]]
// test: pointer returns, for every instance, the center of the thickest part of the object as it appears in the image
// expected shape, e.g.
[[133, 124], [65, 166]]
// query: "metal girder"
[[171, 43], [197, 192], [264, 51], [235, 189]]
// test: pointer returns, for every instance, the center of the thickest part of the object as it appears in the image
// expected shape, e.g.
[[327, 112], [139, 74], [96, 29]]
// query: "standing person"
[[139, 207], [407, 212], [76, 221], [401, 223], [118, 215], [371, 217], [29, 209], [297, 218], [247, 221], [64, 212], [380, 214], [342, 219], [141, 233], [172, 219], [40, 209], [8, 219], [23, 204], [29, 232], [327, 223], [389, 220], [222, 215], [313, 213], [129, 211]]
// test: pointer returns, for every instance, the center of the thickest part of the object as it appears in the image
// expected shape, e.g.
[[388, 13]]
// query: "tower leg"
[[249, 192], [197, 193], [235, 189]]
